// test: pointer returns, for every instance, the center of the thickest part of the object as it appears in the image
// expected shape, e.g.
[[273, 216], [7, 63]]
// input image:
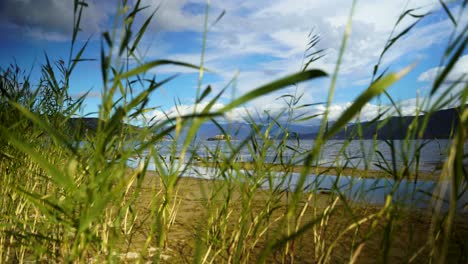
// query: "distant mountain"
[[303, 130], [83, 125], [240, 130], [441, 125], [237, 130], [88, 125]]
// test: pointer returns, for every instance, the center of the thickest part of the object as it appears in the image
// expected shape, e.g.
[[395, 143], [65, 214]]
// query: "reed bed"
[[68, 195]]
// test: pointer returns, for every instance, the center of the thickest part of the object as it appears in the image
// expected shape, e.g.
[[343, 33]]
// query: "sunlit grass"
[[68, 195]]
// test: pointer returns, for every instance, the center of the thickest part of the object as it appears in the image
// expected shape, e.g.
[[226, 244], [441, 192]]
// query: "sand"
[[409, 234]]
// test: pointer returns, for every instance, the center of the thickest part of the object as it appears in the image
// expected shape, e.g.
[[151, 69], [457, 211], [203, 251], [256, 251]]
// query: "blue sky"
[[257, 41]]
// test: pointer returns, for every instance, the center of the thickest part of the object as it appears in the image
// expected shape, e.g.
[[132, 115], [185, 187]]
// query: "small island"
[[219, 137]]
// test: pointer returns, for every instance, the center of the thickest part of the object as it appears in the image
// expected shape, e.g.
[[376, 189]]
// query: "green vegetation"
[[70, 197]]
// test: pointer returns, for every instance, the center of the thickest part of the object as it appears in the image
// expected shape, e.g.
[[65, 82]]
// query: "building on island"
[[220, 137]]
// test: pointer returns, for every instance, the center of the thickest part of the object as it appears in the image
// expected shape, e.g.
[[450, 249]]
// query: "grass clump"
[[70, 196]]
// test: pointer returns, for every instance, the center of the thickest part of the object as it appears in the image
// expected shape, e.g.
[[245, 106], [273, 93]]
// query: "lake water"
[[432, 154], [374, 191]]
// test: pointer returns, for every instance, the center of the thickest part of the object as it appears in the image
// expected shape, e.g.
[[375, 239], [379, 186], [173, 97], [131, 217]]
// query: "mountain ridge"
[[440, 125]]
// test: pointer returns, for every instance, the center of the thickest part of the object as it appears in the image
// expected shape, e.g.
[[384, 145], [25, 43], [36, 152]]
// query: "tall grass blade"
[[274, 86], [375, 89]]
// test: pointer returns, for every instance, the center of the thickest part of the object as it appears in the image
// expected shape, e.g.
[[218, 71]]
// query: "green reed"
[[69, 196]]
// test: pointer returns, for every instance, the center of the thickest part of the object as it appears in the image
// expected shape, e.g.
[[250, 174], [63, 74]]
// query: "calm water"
[[432, 154], [373, 191]]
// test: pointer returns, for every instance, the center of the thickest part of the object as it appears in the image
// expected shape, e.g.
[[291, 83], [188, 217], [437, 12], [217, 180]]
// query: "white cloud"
[[180, 110], [52, 20], [460, 70], [276, 33], [430, 74], [371, 111], [171, 16], [278, 30], [89, 94], [271, 106]]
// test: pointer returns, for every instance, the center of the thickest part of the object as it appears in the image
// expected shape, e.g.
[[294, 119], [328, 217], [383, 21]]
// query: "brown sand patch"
[[407, 232]]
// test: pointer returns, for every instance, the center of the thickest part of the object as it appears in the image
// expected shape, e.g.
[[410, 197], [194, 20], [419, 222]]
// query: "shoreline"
[[334, 171]]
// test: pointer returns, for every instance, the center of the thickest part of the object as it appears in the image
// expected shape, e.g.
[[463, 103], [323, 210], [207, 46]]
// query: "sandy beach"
[[194, 210]]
